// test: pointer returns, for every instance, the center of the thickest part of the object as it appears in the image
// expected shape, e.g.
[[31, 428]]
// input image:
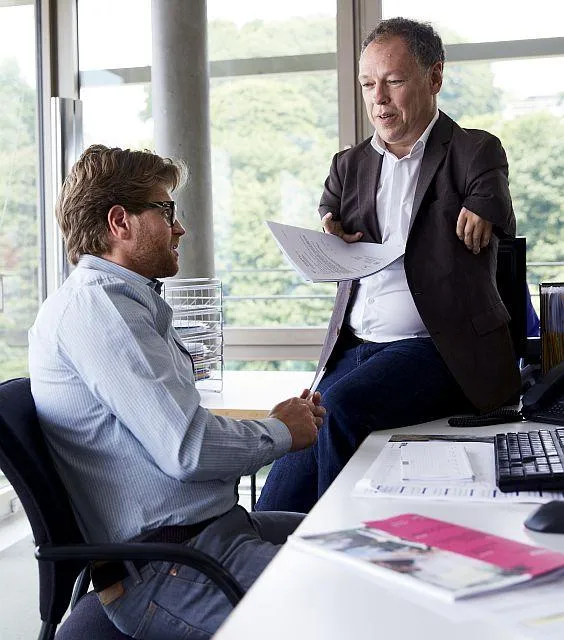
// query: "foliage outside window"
[[19, 218]]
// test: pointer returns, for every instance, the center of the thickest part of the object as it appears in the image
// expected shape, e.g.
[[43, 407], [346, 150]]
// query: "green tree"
[[18, 217], [468, 90], [534, 143], [535, 150], [256, 39]]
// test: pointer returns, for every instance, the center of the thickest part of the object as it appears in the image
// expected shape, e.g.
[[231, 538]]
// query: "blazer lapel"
[[435, 150], [368, 175]]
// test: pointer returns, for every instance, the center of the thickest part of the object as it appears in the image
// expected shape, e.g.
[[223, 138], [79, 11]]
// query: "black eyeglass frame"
[[168, 210]]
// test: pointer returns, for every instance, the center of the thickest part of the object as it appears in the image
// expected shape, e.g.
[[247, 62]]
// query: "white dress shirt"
[[384, 309], [117, 404]]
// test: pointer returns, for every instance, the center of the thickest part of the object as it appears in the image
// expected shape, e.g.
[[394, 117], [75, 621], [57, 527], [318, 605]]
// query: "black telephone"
[[544, 401]]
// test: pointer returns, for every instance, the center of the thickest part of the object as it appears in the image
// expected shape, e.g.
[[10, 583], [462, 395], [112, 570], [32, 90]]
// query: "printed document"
[[434, 462], [384, 477], [438, 557], [323, 257]]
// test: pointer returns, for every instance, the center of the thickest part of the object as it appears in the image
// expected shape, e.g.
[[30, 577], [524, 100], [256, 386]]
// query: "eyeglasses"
[[167, 210]]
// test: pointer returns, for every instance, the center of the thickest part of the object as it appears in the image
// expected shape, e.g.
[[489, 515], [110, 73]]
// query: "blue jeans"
[[175, 602], [367, 387]]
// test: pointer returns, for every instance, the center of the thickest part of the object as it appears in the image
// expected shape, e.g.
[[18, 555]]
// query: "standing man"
[[115, 396], [427, 336]]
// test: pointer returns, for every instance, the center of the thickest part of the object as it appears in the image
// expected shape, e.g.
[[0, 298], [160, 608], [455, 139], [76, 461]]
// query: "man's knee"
[[276, 526]]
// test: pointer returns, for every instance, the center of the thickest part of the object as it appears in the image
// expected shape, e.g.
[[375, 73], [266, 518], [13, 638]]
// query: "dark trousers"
[[369, 386]]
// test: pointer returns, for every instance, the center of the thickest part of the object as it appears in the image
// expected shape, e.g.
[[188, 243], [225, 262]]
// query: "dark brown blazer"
[[453, 289]]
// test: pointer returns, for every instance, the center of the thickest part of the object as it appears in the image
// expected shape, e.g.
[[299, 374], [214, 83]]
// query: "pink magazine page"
[[501, 552]]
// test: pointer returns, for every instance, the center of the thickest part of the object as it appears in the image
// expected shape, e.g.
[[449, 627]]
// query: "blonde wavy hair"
[[102, 178]]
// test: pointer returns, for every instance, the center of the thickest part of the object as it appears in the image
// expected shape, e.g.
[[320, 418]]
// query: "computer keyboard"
[[529, 460], [553, 414]]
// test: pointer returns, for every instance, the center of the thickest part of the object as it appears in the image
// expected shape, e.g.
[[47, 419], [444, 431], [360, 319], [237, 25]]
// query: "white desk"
[[251, 394], [308, 597]]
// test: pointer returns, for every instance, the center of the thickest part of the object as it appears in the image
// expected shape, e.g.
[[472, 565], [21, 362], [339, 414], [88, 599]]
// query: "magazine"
[[443, 559]]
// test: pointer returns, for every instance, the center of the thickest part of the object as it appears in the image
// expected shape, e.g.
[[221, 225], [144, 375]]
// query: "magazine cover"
[[443, 559]]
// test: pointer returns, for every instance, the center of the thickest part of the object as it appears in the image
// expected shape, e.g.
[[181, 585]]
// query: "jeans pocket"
[[158, 623]]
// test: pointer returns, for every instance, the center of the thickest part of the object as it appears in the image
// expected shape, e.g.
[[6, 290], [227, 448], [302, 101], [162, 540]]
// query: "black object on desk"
[[548, 518], [542, 402], [499, 416], [529, 460]]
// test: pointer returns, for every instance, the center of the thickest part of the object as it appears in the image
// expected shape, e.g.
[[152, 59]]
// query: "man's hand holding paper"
[[336, 228]]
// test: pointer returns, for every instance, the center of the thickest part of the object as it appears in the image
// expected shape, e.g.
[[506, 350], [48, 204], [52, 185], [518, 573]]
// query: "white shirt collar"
[[381, 148]]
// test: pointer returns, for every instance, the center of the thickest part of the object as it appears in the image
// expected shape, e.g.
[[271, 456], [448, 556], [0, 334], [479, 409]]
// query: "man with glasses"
[[115, 396]]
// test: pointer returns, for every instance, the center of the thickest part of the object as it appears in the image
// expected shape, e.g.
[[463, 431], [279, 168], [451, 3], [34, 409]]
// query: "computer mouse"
[[548, 518]]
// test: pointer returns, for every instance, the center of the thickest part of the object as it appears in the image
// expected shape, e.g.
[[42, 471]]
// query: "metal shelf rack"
[[197, 306]]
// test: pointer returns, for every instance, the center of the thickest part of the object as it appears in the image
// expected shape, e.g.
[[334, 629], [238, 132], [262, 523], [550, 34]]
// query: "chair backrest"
[[27, 464]]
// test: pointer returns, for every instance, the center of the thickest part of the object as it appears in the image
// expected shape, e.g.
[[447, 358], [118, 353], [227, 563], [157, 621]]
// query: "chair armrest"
[[146, 551]]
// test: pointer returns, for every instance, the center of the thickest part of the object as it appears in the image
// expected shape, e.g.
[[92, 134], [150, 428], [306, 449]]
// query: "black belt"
[[106, 574], [351, 339]]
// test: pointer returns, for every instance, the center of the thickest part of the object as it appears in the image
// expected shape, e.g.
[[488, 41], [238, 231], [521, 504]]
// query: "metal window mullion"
[[504, 50]]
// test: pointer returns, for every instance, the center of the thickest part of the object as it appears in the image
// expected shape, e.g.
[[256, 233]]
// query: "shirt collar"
[[380, 145], [95, 262]]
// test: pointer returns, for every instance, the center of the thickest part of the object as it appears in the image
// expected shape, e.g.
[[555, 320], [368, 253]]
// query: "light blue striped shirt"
[[117, 403]]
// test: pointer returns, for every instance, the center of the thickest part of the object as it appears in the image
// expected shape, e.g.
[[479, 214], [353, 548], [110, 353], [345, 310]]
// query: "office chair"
[[62, 553]]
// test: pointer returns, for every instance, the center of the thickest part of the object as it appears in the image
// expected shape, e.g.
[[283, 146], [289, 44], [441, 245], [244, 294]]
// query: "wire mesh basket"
[[197, 306]]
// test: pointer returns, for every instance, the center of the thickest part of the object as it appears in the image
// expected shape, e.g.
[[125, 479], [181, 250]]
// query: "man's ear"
[[119, 222], [436, 78]]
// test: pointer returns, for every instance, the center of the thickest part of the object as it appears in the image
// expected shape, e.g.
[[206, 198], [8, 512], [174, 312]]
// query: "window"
[[272, 140], [19, 217], [274, 121], [115, 80], [274, 128], [483, 20], [20, 257]]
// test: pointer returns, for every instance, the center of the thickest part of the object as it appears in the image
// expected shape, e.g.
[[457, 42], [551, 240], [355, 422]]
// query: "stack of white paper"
[[434, 461], [384, 477]]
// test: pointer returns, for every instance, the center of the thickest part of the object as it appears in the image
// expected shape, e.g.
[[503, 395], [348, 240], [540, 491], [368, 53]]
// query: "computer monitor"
[[511, 277]]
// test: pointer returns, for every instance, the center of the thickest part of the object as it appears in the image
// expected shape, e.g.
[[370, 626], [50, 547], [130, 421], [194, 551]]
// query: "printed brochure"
[[443, 559]]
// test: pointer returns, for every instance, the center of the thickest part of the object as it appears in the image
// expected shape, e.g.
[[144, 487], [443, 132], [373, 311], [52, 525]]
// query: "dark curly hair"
[[422, 40]]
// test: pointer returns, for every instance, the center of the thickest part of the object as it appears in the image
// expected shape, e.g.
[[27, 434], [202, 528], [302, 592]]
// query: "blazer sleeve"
[[487, 185], [332, 191]]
